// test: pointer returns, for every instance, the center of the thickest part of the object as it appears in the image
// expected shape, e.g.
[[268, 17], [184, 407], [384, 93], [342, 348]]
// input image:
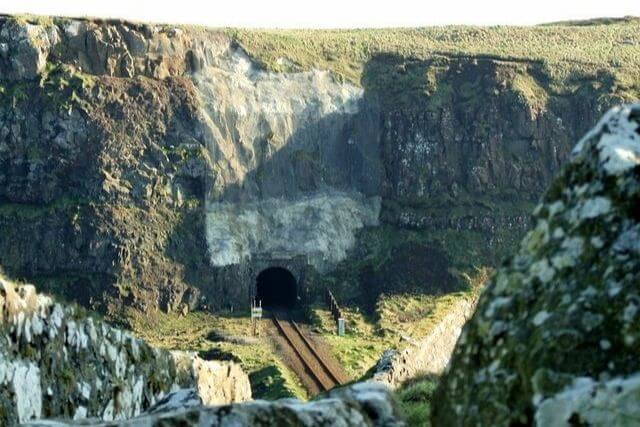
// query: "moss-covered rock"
[[558, 326]]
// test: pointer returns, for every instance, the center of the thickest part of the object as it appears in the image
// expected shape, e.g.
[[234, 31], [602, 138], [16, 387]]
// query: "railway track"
[[315, 366]]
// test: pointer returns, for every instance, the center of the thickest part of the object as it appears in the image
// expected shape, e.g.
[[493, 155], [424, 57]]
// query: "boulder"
[[216, 382], [555, 338], [24, 49]]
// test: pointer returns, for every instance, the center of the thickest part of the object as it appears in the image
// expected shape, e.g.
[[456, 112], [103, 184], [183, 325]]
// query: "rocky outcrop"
[[24, 50], [55, 361], [429, 355], [216, 382], [174, 167], [362, 404], [555, 337]]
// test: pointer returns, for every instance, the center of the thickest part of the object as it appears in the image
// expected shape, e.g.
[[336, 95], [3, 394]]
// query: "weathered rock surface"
[[556, 335], [363, 404], [429, 355], [170, 164], [24, 49], [216, 382], [55, 361]]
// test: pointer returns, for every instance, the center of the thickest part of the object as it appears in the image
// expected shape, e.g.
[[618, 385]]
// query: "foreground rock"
[[430, 355], [363, 404], [216, 382], [556, 336], [55, 361]]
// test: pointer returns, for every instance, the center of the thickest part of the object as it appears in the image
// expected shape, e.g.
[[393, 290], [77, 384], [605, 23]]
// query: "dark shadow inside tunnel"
[[276, 288]]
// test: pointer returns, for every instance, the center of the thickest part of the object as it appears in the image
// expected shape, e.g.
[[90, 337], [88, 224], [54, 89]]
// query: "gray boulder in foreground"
[[555, 339], [362, 404]]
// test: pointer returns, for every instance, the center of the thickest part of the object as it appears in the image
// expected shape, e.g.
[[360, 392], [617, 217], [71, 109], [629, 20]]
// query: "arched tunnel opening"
[[276, 288]]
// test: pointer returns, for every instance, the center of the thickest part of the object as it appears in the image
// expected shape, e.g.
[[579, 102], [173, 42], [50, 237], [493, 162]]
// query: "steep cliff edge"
[[153, 166]]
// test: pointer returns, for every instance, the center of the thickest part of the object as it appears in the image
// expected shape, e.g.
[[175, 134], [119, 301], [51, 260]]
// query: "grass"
[[398, 319], [361, 346], [562, 47], [227, 335], [415, 400]]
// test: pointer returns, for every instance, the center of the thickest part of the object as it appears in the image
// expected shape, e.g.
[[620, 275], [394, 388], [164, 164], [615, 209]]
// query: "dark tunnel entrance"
[[276, 288]]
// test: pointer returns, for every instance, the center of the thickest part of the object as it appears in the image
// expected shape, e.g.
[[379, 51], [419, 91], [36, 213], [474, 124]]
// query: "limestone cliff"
[[153, 166]]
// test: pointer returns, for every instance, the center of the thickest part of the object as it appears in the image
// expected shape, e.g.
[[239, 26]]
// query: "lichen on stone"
[[57, 361], [566, 348]]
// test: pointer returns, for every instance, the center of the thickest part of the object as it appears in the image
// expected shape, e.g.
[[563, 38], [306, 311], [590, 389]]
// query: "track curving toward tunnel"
[[315, 366]]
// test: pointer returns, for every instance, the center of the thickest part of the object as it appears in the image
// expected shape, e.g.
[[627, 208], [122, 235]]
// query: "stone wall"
[[429, 355]]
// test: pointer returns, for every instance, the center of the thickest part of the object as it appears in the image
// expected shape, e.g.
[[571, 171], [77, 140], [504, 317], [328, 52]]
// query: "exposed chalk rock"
[[216, 382], [286, 183], [321, 227]]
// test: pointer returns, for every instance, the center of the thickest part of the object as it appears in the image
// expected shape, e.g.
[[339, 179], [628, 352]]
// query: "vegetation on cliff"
[[562, 48]]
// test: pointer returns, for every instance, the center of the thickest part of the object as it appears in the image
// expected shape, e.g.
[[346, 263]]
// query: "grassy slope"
[[398, 319], [415, 400], [563, 48], [203, 332]]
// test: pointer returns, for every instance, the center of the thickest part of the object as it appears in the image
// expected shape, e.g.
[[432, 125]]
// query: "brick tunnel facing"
[[276, 288]]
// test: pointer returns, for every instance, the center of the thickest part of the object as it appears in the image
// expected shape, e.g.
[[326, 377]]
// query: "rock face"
[[363, 404], [174, 168], [555, 338], [24, 50], [57, 362], [429, 355]]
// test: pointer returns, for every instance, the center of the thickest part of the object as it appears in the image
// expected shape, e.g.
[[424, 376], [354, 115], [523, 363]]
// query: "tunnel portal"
[[276, 288]]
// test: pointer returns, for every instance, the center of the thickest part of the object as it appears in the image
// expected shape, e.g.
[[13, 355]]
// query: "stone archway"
[[276, 287]]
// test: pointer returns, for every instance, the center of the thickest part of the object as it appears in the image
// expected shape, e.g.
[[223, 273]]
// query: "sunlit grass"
[[398, 320], [228, 335], [561, 47]]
